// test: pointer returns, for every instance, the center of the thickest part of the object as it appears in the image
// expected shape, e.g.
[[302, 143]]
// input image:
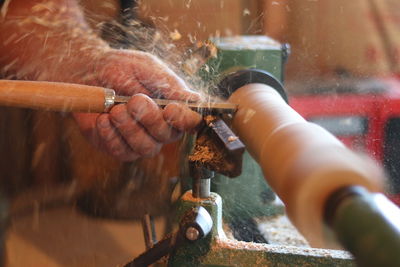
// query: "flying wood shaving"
[[4, 9], [175, 35], [232, 138], [188, 3]]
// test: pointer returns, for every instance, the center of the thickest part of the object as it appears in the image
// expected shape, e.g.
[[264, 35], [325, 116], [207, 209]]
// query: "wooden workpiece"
[[303, 163]]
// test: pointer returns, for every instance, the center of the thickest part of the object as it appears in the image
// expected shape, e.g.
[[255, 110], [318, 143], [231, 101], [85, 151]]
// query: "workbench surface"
[[63, 236]]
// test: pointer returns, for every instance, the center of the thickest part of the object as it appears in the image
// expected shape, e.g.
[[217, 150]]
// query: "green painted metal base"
[[236, 53], [217, 250]]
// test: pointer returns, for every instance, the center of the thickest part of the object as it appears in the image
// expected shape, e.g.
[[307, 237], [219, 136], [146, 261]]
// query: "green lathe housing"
[[256, 197], [247, 196]]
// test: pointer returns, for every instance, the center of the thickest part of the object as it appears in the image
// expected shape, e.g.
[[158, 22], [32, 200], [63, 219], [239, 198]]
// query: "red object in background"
[[395, 198], [363, 114]]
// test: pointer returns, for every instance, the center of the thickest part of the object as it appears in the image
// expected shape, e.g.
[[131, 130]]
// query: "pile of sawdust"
[[205, 151], [279, 230], [202, 154]]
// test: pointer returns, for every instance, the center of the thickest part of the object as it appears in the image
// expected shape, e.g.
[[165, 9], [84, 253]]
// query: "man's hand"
[[49, 40], [140, 127], [131, 72]]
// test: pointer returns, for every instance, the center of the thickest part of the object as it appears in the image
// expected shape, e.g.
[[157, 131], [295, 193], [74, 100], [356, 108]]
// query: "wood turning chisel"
[[67, 97]]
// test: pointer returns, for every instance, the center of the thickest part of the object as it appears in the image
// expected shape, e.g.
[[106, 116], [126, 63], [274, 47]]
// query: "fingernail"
[[103, 122]]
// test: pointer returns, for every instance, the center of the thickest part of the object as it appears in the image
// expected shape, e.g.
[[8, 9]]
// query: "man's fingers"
[[181, 117], [119, 73], [132, 72], [150, 116], [183, 95], [169, 85], [133, 133], [139, 127], [111, 140]]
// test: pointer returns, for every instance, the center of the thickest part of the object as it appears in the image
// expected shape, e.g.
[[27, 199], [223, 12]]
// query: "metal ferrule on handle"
[[109, 99]]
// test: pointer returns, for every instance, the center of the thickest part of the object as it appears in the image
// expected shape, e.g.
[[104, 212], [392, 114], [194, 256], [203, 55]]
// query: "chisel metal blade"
[[201, 107]]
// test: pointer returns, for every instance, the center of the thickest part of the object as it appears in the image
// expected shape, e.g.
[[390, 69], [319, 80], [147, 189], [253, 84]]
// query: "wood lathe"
[[326, 188]]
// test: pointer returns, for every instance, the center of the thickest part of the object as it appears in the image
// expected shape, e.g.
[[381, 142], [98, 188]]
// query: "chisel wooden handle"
[[64, 97]]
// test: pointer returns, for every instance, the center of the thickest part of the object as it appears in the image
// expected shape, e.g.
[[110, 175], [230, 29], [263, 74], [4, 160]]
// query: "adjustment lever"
[[195, 225]]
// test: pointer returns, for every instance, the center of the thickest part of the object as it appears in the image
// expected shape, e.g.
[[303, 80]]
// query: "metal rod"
[[205, 187], [149, 232], [163, 248], [201, 181], [216, 107], [201, 188], [196, 187]]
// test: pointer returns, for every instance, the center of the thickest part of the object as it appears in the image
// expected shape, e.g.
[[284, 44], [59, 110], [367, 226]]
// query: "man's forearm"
[[50, 40], [42, 39]]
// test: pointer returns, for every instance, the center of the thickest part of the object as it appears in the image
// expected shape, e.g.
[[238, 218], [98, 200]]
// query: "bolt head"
[[192, 233]]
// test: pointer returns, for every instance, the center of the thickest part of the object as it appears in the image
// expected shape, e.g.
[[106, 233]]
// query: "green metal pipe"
[[366, 224]]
